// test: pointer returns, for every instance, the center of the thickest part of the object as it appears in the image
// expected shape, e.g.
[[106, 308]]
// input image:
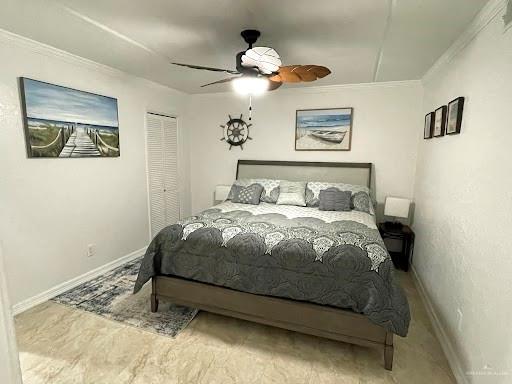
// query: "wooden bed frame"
[[313, 319]]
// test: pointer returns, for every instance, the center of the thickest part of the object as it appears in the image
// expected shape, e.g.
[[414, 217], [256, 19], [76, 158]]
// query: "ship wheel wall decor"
[[236, 132]]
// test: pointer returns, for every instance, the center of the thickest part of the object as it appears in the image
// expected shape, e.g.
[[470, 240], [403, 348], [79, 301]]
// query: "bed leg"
[[154, 303], [388, 352], [154, 298]]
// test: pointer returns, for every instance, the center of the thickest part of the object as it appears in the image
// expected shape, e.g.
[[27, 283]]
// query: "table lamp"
[[221, 193], [397, 208]]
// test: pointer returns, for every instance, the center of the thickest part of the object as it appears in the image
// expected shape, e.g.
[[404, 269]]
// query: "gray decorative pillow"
[[361, 201], [292, 193], [236, 187], [247, 195], [332, 199], [314, 188], [270, 188]]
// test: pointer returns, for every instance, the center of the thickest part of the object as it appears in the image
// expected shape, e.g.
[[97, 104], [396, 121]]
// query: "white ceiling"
[[360, 41]]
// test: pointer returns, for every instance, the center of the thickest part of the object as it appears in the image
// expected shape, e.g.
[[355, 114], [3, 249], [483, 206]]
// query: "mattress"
[[300, 253]]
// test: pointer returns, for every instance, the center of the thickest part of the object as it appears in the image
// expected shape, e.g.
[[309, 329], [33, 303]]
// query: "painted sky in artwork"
[[51, 102], [324, 118]]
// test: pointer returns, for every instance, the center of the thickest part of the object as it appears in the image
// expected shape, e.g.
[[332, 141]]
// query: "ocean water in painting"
[[65, 122], [316, 121], [323, 129]]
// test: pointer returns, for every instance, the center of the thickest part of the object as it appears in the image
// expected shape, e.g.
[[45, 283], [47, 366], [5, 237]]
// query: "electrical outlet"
[[459, 320], [91, 250]]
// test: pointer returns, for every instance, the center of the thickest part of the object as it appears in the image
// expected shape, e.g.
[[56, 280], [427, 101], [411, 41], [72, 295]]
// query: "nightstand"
[[401, 259]]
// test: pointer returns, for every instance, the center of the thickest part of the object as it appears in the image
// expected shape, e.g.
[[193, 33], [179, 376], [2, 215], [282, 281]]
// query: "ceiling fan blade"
[[287, 75], [298, 73], [227, 80], [305, 72], [273, 85], [233, 72], [320, 71], [276, 78]]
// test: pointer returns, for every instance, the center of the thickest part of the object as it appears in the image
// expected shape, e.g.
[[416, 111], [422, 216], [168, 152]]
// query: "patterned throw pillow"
[[361, 201], [236, 187], [270, 188], [247, 195], [332, 199], [292, 193], [314, 188]]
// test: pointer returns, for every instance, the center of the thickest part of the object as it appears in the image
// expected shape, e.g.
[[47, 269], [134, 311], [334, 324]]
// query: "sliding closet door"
[[162, 157]]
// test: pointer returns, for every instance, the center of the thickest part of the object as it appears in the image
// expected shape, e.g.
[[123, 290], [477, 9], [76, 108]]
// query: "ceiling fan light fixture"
[[250, 85]]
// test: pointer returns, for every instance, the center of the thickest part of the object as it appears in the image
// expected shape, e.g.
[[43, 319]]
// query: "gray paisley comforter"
[[301, 253]]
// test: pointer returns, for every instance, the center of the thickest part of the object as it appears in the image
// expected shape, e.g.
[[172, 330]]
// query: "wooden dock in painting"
[[80, 144]]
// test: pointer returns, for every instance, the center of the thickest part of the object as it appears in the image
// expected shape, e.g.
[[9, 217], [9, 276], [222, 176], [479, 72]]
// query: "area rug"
[[111, 296]]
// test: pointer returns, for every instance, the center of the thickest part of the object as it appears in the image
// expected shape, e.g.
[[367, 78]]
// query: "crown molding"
[[50, 51], [492, 9], [70, 58]]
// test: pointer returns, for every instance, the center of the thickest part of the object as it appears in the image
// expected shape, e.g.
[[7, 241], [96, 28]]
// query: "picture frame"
[[324, 129], [440, 121], [428, 128], [63, 122], [454, 118]]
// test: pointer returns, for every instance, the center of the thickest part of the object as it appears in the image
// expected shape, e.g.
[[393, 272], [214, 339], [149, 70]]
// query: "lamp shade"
[[397, 207], [222, 192]]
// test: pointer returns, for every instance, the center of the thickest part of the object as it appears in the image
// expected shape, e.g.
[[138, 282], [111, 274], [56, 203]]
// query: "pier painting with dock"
[[65, 122], [323, 129]]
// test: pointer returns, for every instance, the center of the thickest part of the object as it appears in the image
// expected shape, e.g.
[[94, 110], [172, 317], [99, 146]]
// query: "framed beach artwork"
[[323, 129], [65, 122], [454, 120], [429, 125], [440, 121]]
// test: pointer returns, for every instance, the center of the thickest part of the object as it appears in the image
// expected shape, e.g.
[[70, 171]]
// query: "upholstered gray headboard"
[[350, 173]]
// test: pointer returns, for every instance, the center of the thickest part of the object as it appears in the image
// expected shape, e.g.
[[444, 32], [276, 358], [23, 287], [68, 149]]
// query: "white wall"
[[463, 195], [51, 209], [385, 132]]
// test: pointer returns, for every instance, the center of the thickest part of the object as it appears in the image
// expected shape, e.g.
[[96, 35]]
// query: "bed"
[[324, 273]]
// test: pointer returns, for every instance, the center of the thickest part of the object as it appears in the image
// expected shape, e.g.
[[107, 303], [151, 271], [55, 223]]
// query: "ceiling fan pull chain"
[[250, 107]]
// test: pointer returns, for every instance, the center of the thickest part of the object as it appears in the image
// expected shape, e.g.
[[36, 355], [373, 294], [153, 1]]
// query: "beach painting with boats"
[[65, 122], [323, 129]]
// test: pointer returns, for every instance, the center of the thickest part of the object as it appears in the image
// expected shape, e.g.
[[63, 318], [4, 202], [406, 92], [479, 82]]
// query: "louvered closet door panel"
[[172, 207], [162, 155], [170, 161], [155, 146]]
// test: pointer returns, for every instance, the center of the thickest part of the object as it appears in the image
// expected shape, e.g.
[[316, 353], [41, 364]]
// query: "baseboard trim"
[[67, 285], [446, 344]]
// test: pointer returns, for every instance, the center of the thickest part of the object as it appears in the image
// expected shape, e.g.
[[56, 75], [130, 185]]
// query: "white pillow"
[[292, 193]]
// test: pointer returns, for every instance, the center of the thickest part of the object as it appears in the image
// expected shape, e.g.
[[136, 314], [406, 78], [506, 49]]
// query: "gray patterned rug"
[[111, 296]]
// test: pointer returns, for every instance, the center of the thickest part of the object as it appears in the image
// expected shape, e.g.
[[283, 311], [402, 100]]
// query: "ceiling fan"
[[259, 69]]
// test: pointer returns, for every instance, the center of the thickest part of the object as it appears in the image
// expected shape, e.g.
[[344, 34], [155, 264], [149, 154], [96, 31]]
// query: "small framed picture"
[[454, 121], [440, 121], [429, 125]]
